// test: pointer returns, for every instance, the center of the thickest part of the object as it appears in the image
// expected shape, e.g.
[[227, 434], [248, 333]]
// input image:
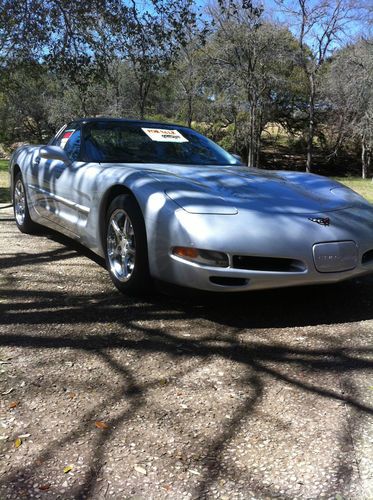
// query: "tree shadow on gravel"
[[296, 307], [134, 325]]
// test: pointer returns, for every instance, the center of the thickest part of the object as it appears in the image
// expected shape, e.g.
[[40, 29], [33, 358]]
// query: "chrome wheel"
[[19, 202], [121, 245]]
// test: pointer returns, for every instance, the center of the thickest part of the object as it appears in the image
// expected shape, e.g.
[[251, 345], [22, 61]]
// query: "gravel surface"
[[179, 395]]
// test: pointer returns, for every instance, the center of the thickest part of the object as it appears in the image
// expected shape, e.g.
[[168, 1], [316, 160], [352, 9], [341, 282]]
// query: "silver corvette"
[[162, 201]]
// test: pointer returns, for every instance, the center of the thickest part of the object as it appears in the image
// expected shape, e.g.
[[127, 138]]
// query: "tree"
[[149, 39], [348, 88], [249, 60], [81, 39], [189, 76], [319, 26]]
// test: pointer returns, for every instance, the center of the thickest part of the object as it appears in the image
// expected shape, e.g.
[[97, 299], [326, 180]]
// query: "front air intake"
[[269, 264], [367, 257], [228, 281]]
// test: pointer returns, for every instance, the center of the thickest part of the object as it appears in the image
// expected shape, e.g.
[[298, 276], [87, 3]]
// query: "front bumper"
[[234, 280], [265, 235]]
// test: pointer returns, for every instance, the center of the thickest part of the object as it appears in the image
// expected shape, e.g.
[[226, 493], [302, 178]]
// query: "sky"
[[353, 27]]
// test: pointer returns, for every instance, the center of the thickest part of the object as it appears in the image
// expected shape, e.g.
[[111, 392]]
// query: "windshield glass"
[[146, 143]]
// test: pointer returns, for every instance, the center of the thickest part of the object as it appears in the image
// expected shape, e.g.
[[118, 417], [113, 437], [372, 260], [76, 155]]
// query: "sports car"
[[162, 201]]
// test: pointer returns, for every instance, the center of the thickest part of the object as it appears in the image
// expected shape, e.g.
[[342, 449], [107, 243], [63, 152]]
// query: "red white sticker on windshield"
[[66, 136], [164, 135]]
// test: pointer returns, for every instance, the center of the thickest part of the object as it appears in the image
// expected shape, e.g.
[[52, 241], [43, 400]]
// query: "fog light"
[[203, 257]]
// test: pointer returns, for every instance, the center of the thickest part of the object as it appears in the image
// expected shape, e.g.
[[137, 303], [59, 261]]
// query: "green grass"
[[361, 186], [4, 165], [4, 182]]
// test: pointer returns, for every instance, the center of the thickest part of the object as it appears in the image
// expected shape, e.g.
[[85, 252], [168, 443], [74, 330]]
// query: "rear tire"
[[21, 212], [126, 251]]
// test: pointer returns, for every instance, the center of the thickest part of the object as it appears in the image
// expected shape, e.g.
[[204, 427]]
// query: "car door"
[[55, 180]]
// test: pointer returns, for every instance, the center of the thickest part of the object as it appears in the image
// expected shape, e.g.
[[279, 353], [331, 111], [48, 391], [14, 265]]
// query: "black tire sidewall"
[[139, 281]]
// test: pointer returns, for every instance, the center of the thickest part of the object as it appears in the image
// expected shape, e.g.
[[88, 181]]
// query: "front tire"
[[21, 212], [126, 250]]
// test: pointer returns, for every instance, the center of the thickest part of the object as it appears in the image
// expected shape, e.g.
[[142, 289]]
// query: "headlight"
[[203, 257], [347, 194]]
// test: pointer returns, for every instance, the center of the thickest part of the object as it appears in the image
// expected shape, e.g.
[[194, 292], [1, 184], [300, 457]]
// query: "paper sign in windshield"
[[163, 135]]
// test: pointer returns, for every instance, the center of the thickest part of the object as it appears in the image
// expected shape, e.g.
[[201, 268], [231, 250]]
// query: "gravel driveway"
[[263, 395]]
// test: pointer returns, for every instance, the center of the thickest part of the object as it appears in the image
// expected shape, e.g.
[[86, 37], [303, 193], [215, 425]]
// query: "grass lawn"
[[4, 182], [361, 186]]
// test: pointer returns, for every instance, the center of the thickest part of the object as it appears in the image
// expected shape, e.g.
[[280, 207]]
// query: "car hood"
[[225, 190]]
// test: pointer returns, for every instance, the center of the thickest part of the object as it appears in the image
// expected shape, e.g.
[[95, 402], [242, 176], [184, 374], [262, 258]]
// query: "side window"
[[70, 142], [60, 139], [56, 138], [72, 147]]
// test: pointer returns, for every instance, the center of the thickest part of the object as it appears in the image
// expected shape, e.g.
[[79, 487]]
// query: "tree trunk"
[[311, 124], [142, 99], [257, 151], [369, 160], [117, 93], [235, 132], [83, 104], [190, 110], [142, 107], [258, 139], [40, 132], [365, 159], [252, 137]]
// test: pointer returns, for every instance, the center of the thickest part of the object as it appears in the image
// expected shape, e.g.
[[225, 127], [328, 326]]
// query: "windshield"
[[146, 143]]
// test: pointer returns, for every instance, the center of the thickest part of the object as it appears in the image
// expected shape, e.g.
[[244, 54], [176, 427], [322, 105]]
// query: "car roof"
[[83, 121]]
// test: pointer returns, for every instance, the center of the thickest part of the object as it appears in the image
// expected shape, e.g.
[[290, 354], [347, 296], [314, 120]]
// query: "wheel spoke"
[[121, 251], [127, 268], [127, 229], [117, 230], [19, 202]]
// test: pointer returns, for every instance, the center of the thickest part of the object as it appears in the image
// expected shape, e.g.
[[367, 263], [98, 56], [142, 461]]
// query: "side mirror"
[[54, 153], [238, 157]]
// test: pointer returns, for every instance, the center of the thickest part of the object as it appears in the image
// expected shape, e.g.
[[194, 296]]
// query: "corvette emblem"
[[323, 221]]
